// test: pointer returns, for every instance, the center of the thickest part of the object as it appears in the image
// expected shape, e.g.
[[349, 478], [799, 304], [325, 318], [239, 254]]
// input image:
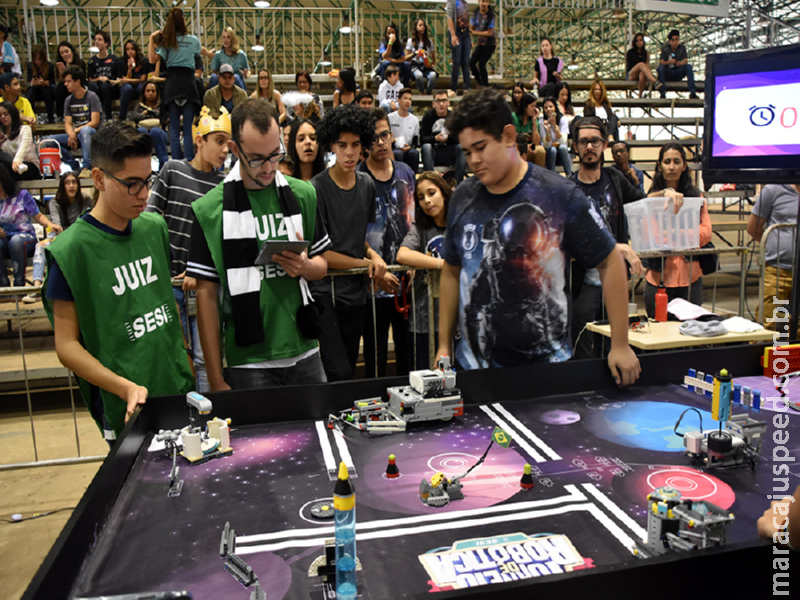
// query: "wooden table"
[[666, 336]]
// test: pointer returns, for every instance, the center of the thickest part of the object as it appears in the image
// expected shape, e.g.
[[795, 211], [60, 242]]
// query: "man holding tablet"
[[262, 321]]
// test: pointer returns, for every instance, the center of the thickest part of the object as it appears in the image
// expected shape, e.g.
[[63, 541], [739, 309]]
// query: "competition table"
[[667, 336], [596, 453]]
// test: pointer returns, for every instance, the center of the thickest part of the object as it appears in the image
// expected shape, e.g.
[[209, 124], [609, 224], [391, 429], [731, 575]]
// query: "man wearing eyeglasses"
[[108, 289], [608, 190], [439, 148], [259, 322]]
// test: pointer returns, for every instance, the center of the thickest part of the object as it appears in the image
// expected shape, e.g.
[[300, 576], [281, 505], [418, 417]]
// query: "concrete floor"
[[38, 490]]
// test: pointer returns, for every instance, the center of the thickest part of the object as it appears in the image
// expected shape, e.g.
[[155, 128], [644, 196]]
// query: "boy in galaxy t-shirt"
[[511, 231]]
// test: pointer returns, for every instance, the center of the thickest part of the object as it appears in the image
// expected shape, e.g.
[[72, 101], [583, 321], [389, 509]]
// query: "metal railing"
[[17, 293], [780, 273], [431, 280], [592, 34], [740, 250]]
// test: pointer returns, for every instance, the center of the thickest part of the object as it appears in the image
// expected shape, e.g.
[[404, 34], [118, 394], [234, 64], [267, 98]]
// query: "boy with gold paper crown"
[[108, 290], [180, 183]]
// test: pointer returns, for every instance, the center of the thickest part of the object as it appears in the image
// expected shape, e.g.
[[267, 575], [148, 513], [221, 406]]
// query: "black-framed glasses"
[[585, 143], [441, 100], [383, 136], [135, 186], [257, 162]]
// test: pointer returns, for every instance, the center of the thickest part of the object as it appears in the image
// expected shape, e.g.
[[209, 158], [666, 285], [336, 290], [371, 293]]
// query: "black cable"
[[699, 414], [38, 515], [480, 460]]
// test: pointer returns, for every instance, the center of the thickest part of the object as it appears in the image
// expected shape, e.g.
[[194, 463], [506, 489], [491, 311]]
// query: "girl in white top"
[[17, 150], [554, 131]]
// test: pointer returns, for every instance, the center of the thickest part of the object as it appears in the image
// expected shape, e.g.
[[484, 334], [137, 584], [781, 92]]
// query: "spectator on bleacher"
[[389, 89], [598, 105], [11, 92], [777, 203], [394, 201], [103, 74], [482, 26], [674, 64], [17, 150], [182, 98], [265, 89], [67, 57], [303, 82], [17, 208], [564, 100], [10, 62], [554, 131], [637, 65], [460, 42], [132, 73], [405, 131], [423, 58], [392, 52], [150, 118], [230, 54], [308, 160], [438, 148], [608, 190], [516, 95], [621, 153], [179, 184], [365, 99], [672, 180], [422, 249], [41, 81], [346, 88], [81, 120], [548, 69], [345, 204], [224, 94], [526, 123], [107, 245], [65, 207]]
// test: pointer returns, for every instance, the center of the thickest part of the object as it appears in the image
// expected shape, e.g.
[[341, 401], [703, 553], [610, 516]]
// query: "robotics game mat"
[[594, 458]]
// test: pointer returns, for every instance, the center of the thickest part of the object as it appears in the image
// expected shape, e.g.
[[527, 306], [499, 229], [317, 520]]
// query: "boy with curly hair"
[[346, 201]]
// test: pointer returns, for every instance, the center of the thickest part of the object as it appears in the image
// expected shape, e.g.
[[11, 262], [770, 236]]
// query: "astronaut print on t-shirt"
[[514, 251]]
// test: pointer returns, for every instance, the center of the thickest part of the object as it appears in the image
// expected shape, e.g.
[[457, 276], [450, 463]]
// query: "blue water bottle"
[[344, 514]]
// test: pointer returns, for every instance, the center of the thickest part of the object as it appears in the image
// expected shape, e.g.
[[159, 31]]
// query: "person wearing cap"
[[226, 94], [180, 183]]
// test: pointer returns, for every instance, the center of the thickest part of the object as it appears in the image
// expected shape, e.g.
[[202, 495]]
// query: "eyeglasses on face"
[[384, 136], [255, 163], [594, 142], [135, 185]]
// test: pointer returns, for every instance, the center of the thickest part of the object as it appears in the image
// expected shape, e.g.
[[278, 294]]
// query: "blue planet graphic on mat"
[[648, 425]]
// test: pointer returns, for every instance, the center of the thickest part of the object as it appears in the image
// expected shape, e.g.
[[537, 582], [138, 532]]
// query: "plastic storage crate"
[[653, 225]]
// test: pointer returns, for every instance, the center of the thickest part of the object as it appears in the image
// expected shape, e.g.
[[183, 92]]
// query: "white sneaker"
[[32, 297]]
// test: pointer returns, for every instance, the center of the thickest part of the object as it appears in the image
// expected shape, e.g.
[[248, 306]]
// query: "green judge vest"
[[280, 294], [126, 310]]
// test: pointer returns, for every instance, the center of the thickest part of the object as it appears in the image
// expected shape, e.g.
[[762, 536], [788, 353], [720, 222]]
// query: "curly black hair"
[[347, 118], [485, 109]]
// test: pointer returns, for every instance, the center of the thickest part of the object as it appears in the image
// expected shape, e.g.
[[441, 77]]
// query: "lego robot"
[[440, 491], [431, 394], [200, 445], [737, 440], [678, 525]]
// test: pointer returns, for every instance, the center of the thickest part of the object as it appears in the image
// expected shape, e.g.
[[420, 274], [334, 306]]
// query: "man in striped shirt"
[[180, 183]]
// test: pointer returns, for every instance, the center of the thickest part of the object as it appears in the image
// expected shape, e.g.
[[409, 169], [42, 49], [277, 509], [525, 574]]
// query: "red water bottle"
[[661, 304]]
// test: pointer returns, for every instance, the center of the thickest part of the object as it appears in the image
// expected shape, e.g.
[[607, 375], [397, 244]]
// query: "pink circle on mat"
[[692, 484]]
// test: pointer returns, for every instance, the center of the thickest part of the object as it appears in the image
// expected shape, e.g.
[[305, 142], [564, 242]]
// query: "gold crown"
[[207, 124]]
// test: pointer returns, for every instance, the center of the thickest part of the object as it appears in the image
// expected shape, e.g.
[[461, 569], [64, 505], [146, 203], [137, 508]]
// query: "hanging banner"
[[709, 8]]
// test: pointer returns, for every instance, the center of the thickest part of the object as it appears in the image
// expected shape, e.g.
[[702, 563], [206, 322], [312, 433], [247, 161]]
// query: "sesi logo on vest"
[[148, 322], [134, 274]]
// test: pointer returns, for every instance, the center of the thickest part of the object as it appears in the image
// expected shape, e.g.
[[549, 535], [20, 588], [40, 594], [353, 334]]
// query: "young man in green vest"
[[264, 321], [108, 289]]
